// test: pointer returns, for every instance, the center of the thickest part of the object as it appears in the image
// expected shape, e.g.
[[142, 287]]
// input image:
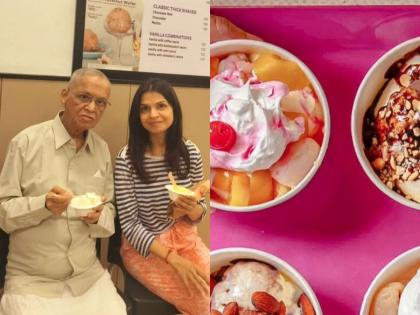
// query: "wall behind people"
[[27, 102]]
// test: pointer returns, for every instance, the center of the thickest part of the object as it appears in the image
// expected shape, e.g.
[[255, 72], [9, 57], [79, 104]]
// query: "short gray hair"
[[82, 72]]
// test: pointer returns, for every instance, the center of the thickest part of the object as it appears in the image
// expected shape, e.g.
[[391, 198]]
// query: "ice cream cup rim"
[[263, 46], [375, 284], [295, 275], [169, 187], [358, 147]]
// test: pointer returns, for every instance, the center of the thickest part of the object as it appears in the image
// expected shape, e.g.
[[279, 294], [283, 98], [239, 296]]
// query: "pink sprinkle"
[[248, 152], [277, 122]]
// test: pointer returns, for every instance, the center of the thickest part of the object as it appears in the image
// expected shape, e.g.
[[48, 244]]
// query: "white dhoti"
[[101, 299]]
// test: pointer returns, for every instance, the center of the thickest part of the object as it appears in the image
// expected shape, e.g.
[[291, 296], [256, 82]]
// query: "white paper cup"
[[251, 46], [174, 194], [368, 89], [79, 208], [224, 257], [391, 272], [82, 212]]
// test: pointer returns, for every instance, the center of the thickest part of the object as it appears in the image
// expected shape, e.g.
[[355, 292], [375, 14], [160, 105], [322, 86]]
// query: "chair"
[[144, 301], [4, 249]]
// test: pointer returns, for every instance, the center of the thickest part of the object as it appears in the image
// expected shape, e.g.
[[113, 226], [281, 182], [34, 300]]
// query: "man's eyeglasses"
[[85, 98]]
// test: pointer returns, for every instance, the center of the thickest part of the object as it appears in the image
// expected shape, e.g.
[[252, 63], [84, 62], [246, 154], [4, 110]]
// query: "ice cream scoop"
[[86, 201], [388, 299], [244, 278], [410, 297]]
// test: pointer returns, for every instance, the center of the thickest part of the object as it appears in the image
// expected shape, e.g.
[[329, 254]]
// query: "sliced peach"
[[319, 136], [296, 162], [215, 197], [293, 116], [269, 67], [387, 299], [222, 180], [254, 56], [279, 189], [214, 66], [261, 187], [240, 194], [304, 103], [317, 121], [298, 102]]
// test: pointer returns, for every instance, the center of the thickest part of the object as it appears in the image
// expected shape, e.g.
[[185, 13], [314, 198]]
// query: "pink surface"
[[340, 230]]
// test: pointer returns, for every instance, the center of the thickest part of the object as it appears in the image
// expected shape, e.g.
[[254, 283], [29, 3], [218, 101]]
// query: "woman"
[[163, 253]]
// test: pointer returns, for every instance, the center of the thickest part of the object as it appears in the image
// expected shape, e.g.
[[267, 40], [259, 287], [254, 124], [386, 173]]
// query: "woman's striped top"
[[143, 207]]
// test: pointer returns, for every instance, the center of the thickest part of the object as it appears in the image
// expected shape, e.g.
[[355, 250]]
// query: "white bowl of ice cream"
[[385, 124], [83, 204], [175, 191], [396, 288], [237, 273], [269, 125]]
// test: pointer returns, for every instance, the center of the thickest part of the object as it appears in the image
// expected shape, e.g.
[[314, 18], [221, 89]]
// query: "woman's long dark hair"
[[139, 138]]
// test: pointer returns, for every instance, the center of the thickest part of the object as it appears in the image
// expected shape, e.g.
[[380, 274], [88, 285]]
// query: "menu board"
[[158, 36]]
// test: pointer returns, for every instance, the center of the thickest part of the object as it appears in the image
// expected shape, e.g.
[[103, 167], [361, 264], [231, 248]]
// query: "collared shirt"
[[47, 251]]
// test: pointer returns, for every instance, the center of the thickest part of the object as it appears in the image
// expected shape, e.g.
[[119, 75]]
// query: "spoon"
[[172, 179]]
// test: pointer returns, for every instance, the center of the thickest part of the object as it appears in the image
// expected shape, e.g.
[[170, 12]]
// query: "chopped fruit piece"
[[261, 187], [215, 197], [304, 103], [214, 66], [221, 184], [319, 136], [234, 62], [296, 162], [280, 189], [222, 136], [292, 116], [231, 309], [215, 312], [239, 195], [305, 305], [269, 67], [254, 56], [388, 299], [265, 302]]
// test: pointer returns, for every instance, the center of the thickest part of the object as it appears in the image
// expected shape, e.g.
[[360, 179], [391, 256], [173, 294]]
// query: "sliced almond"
[[231, 309], [265, 302], [405, 80], [306, 305]]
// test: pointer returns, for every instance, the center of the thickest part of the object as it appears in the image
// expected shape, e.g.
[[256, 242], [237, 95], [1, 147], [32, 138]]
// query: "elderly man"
[[52, 264]]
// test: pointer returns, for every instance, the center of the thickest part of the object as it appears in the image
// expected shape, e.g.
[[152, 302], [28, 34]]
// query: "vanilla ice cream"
[[87, 200], [244, 278], [410, 297]]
